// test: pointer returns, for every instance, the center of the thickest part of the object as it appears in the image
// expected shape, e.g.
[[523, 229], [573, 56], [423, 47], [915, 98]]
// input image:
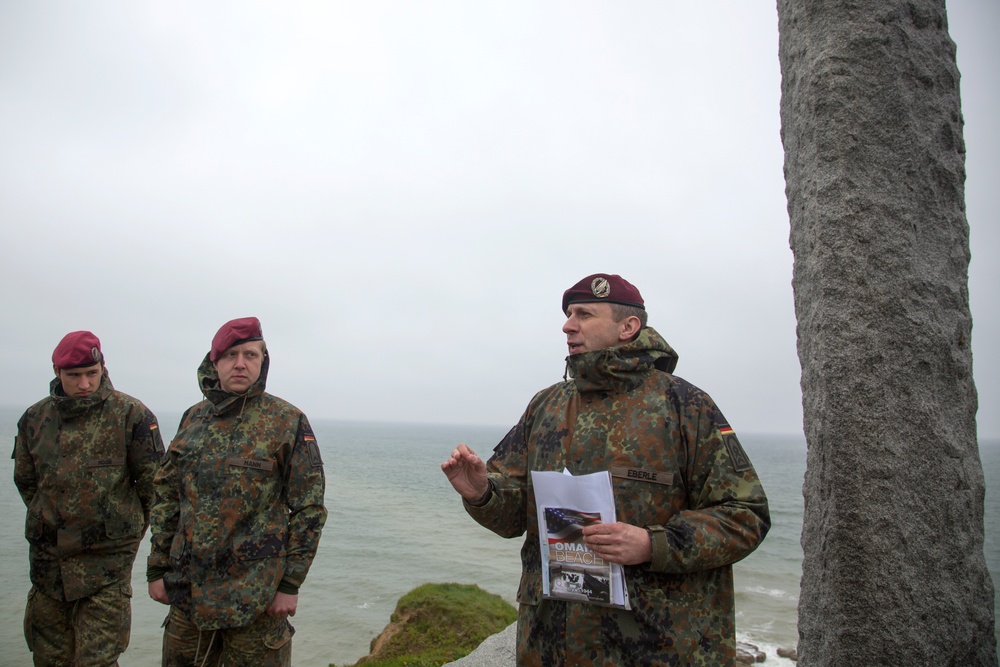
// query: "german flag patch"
[[313, 448], [741, 462]]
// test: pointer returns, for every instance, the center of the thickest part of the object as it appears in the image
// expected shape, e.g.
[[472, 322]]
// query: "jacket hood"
[[70, 407], [224, 401], [624, 367]]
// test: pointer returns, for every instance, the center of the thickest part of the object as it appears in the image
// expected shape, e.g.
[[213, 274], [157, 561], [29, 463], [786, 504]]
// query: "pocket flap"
[[530, 589], [253, 547]]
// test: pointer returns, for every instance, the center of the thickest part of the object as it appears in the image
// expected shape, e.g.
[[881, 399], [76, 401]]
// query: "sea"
[[395, 523]]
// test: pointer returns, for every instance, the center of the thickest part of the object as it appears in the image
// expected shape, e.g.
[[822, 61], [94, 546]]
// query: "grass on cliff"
[[435, 624]]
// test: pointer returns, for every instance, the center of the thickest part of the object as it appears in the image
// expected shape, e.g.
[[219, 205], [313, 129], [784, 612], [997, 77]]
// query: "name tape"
[[102, 463], [251, 463], [654, 476]]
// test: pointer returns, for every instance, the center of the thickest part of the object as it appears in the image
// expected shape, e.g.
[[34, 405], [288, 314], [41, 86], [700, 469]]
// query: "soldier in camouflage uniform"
[[688, 501], [238, 513], [84, 461]]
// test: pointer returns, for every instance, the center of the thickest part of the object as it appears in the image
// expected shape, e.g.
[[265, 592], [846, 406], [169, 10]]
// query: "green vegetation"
[[435, 624]]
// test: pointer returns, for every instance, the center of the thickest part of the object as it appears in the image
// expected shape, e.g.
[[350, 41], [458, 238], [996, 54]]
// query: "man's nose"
[[570, 325]]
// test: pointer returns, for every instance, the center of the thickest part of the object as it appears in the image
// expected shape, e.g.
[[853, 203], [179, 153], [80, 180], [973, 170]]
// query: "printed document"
[[570, 571]]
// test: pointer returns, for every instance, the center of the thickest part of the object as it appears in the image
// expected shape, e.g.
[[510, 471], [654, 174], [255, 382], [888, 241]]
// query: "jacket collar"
[[225, 401], [70, 407], [624, 367]]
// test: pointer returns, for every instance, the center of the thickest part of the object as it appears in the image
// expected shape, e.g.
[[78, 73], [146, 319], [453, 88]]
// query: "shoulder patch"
[[153, 430], [313, 448], [741, 462]]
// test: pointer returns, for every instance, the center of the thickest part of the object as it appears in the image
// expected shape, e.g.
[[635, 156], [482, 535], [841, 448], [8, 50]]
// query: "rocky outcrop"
[[500, 650], [748, 654], [789, 653], [893, 569], [437, 623]]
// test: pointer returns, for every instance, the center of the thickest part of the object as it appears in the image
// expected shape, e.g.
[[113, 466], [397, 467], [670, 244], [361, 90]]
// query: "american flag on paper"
[[566, 525]]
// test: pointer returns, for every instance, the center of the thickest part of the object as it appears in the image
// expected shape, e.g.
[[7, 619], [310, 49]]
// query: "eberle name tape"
[[654, 476], [103, 463], [251, 463]]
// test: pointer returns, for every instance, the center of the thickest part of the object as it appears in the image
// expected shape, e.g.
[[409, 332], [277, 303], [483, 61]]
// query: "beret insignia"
[[600, 287]]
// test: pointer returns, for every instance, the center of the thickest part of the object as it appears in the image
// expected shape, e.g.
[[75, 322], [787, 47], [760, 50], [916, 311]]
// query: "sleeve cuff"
[[285, 586], [660, 548], [485, 500]]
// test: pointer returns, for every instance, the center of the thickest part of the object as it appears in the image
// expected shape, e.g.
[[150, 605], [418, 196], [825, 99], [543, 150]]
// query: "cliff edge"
[[436, 624]]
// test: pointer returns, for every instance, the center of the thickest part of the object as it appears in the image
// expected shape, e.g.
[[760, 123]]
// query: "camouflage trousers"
[[90, 632], [267, 642]]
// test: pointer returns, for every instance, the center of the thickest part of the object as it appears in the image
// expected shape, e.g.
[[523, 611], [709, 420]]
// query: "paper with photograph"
[[570, 571]]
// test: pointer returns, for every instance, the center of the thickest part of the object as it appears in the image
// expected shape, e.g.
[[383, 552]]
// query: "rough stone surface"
[[893, 569], [789, 653], [499, 650], [749, 654]]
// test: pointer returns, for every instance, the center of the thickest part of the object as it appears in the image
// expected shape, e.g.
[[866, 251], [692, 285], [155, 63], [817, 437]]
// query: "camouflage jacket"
[[239, 504], [624, 411], [84, 468]]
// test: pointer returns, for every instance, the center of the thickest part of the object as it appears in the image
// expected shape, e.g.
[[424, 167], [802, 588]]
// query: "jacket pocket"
[[33, 527], [529, 591], [117, 529], [278, 635], [177, 549], [645, 503], [691, 623], [128, 523], [29, 621], [255, 547], [38, 533]]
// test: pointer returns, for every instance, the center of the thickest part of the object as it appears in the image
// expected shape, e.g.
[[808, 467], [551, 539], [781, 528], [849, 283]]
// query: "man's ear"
[[630, 327]]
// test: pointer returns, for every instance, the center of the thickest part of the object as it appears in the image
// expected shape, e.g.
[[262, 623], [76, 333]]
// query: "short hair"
[[620, 312]]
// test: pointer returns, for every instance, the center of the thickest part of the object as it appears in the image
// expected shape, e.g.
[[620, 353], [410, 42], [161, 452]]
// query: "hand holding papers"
[[571, 571]]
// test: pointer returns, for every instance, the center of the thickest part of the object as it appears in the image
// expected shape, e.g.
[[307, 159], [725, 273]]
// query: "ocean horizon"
[[395, 523]]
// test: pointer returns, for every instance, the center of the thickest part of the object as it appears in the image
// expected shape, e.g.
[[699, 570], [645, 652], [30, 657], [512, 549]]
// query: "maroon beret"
[[76, 350], [234, 332], [603, 287]]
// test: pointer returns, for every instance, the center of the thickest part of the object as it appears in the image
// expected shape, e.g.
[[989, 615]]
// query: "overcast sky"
[[401, 191]]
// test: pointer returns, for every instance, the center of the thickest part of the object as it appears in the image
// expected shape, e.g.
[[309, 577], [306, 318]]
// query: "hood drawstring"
[[208, 649], [244, 404]]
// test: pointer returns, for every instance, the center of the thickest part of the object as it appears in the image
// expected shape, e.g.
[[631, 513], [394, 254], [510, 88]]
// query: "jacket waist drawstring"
[[208, 649]]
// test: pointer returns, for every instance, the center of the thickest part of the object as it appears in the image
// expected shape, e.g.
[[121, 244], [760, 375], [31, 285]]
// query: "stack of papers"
[[570, 571]]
